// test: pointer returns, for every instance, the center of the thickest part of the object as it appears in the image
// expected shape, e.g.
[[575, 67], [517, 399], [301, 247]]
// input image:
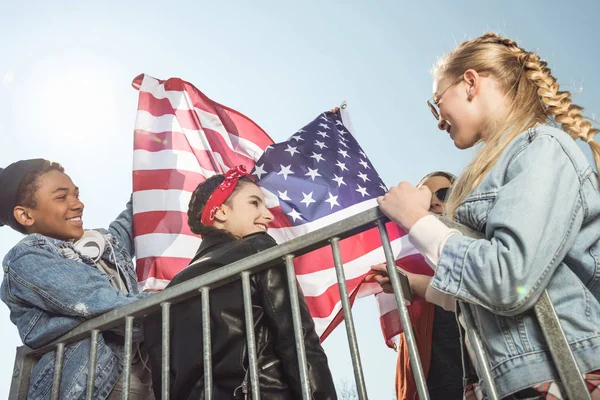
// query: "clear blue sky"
[[65, 94]]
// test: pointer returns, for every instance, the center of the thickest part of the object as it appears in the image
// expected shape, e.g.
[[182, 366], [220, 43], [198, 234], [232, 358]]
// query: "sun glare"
[[71, 97]]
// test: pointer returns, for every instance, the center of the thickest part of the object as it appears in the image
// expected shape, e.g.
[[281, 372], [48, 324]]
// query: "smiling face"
[[245, 211], [57, 211], [459, 113]]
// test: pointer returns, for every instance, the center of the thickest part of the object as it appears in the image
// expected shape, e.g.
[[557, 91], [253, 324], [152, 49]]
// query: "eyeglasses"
[[433, 102], [442, 194]]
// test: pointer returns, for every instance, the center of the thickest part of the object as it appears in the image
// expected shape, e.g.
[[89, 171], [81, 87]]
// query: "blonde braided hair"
[[535, 98]]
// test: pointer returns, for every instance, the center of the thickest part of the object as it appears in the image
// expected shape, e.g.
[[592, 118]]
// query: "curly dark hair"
[[29, 186], [198, 201]]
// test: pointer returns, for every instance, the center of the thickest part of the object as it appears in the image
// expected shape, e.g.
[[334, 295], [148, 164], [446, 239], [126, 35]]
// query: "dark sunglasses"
[[442, 194]]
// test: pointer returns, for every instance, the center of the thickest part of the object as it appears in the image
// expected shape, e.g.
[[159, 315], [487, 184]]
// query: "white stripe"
[[316, 283], [386, 302], [196, 138], [166, 245], [322, 323], [282, 235], [161, 200], [153, 284], [144, 160]]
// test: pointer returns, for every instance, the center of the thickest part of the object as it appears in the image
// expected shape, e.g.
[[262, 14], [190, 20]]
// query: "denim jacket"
[[50, 289], [539, 208]]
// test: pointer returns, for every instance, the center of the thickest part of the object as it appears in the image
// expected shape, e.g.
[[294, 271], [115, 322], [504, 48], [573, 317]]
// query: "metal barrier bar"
[[185, 290], [298, 333], [402, 292], [483, 362], [207, 350], [58, 364], [127, 357], [166, 347], [568, 370], [250, 336], [19, 385], [348, 319], [570, 376], [89, 394], [564, 361]]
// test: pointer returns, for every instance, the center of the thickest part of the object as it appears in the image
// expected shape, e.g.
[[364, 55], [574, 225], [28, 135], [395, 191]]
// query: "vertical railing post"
[[298, 333], [348, 319], [399, 293], [58, 364], [19, 386], [247, 295], [127, 356], [89, 394], [166, 347], [207, 350]]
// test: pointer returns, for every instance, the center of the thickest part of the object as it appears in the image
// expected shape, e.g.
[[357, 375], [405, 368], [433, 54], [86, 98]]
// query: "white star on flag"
[[332, 200], [292, 150], [285, 171], [325, 126], [283, 196], [297, 138], [318, 157], [295, 215], [324, 134], [339, 180], [307, 198], [362, 191], [364, 164], [313, 173], [363, 177], [320, 144], [341, 165], [259, 170], [343, 153]]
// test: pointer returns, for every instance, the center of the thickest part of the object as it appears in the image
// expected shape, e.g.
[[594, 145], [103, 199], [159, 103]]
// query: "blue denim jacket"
[[539, 208], [50, 289]]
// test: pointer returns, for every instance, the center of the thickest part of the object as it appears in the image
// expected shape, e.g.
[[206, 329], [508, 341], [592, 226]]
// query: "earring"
[[469, 94]]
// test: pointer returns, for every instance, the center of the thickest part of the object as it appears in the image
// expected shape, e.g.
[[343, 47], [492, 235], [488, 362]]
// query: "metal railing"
[[242, 269]]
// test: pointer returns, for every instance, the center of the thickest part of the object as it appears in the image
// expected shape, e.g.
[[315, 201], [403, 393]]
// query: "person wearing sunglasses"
[[444, 375]]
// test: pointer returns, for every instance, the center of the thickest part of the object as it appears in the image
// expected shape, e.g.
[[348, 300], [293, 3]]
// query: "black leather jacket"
[[275, 347]]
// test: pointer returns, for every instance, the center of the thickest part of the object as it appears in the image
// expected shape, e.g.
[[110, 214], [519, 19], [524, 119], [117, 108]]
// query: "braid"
[[535, 97], [558, 104]]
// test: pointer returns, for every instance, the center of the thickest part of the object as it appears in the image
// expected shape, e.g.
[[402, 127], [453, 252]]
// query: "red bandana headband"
[[222, 192]]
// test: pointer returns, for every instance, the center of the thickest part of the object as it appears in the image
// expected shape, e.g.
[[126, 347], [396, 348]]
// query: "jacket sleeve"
[[122, 228], [46, 280], [528, 234], [274, 292]]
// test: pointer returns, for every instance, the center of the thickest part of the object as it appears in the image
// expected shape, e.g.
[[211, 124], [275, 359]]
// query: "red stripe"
[[154, 142], [161, 222], [322, 305], [160, 267], [339, 317], [234, 122], [166, 179], [351, 249], [390, 321]]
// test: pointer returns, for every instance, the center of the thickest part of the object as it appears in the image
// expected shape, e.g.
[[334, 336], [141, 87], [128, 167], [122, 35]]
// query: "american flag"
[[318, 176]]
